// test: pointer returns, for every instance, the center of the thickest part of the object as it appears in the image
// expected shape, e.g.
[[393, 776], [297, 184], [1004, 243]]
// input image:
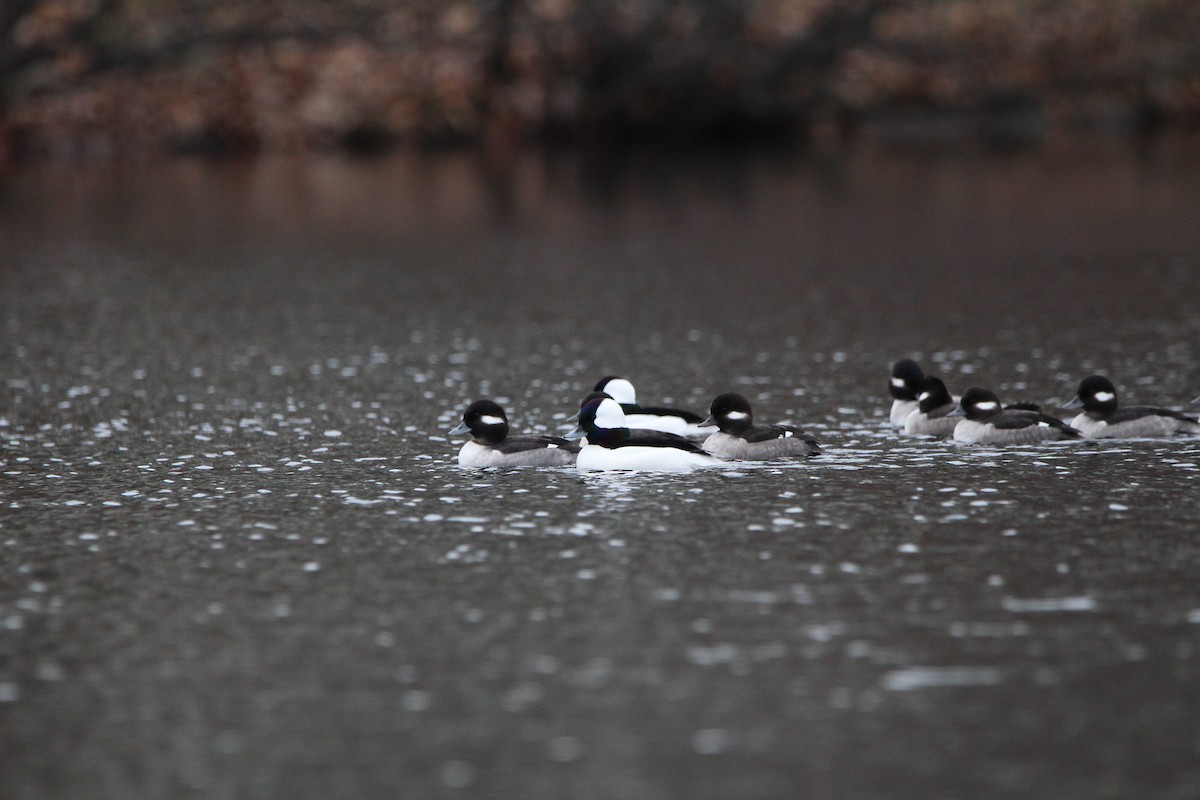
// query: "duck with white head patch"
[[987, 422], [934, 407], [611, 444], [654, 418], [904, 387], [739, 437], [491, 446], [574, 418], [1103, 418]]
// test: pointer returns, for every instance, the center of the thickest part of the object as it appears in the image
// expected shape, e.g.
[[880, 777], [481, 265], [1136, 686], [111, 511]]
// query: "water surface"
[[237, 558]]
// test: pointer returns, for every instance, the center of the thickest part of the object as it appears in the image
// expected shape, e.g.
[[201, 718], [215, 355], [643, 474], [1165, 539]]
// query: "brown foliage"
[[130, 76]]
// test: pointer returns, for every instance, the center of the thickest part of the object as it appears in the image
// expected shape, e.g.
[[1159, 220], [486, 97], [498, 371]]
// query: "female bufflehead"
[[668, 420], [491, 446], [904, 387], [1102, 419], [988, 423], [611, 445], [934, 405], [739, 437]]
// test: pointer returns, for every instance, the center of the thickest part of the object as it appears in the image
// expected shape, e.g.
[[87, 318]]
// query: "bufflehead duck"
[[739, 437], [934, 406], [491, 446], [904, 387], [600, 396], [986, 422], [1102, 419], [611, 445], [668, 420]]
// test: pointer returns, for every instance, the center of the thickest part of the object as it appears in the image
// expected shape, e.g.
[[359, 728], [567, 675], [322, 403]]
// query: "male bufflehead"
[[600, 396], [986, 422], [668, 420], [1103, 419], [934, 405], [904, 387], [491, 446], [611, 445], [739, 437]]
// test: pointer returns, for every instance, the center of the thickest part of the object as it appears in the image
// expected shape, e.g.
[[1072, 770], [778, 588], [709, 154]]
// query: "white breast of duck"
[[612, 446]]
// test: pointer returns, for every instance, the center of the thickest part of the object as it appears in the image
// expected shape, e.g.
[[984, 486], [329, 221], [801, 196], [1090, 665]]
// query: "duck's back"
[[680, 423]]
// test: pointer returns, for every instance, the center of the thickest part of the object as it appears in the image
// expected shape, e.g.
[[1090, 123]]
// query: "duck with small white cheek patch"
[[654, 418], [934, 407], [491, 446], [611, 445], [1103, 418], [904, 387], [986, 422], [739, 437]]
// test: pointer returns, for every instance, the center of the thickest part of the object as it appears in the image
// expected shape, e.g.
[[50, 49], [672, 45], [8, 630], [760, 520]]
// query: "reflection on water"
[[239, 557]]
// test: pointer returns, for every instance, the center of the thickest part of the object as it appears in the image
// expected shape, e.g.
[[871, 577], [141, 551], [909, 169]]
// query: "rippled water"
[[237, 557]]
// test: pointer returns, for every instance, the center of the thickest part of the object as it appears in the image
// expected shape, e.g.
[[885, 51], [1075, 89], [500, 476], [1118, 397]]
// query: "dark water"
[[237, 560]]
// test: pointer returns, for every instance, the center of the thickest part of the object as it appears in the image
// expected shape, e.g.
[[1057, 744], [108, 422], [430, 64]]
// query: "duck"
[[738, 437], [904, 386], [987, 422], [933, 414], [491, 446], [611, 445], [1103, 418], [655, 418], [574, 418]]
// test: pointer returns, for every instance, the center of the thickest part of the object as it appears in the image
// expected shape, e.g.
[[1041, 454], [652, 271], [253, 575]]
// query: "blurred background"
[[256, 257], [132, 77]]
